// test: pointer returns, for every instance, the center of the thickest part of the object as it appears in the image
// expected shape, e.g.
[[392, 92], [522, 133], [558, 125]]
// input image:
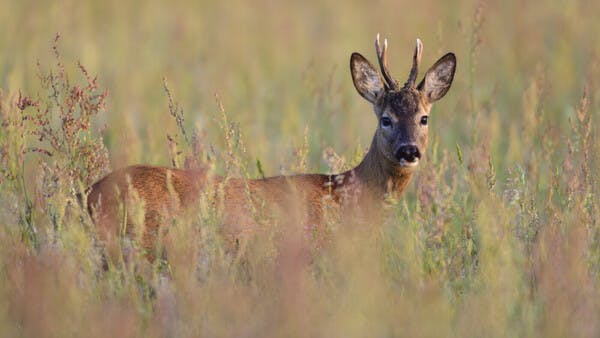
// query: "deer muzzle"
[[408, 155]]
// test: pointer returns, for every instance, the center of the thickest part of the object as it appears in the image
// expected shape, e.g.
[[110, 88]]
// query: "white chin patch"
[[405, 163]]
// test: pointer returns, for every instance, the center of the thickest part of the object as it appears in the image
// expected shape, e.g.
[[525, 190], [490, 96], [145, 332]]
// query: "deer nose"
[[408, 152]]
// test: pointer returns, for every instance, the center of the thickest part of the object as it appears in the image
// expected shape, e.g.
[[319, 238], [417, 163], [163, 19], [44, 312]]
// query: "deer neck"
[[381, 177]]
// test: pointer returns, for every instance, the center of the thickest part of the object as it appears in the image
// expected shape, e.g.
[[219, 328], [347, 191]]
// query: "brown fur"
[[167, 192]]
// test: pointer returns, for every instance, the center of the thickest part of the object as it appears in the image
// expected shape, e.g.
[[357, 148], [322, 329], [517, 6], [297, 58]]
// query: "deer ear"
[[366, 79], [438, 79]]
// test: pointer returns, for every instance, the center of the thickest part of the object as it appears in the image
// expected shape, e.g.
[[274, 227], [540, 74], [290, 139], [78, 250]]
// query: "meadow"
[[498, 234]]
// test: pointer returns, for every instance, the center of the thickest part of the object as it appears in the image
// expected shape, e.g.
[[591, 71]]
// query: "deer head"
[[402, 112]]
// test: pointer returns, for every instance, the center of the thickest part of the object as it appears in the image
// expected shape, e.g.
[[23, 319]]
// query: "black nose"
[[408, 152]]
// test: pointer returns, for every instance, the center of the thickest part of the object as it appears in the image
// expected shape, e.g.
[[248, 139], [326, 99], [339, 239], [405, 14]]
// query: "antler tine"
[[414, 71], [382, 57]]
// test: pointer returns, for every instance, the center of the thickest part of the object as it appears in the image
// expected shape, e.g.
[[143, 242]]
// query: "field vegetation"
[[498, 235]]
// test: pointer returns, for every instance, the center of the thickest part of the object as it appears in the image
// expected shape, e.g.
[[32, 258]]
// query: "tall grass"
[[498, 234]]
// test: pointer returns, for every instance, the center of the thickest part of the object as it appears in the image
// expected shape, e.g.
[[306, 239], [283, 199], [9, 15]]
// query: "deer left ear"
[[438, 79], [365, 77]]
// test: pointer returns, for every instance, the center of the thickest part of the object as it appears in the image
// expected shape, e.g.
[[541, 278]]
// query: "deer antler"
[[412, 77], [382, 57]]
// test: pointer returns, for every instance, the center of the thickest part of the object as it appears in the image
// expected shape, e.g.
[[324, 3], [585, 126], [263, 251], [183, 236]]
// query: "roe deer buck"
[[398, 145]]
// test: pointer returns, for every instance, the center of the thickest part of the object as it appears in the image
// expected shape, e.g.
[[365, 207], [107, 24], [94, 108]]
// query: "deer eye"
[[386, 122], [424, 120]]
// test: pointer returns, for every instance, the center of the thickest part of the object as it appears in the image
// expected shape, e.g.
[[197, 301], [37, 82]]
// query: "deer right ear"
[[438, 79], [366, 79]]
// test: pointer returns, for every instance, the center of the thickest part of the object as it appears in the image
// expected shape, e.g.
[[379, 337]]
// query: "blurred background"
[[498, 234], [280, 67]]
